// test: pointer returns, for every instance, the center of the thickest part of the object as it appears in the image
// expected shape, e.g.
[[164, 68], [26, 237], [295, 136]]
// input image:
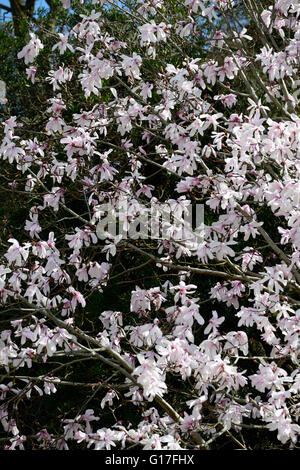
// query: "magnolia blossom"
[[16, 253], [193, 325], [214, 323], [77, 298], [31, 50], [183, 290], [63, 44], [30, 72]]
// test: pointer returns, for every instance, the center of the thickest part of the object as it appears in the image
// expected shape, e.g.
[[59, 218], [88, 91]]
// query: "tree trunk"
[[22, 13]]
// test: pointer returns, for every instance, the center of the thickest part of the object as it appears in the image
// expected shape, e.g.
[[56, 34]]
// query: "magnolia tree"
[[165, 158]]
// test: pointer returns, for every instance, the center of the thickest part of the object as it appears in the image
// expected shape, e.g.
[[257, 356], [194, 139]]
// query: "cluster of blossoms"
[[232, 283]]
